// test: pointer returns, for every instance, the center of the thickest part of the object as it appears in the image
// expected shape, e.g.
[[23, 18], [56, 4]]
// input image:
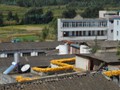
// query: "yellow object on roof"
[[60, 62], [112, 73]]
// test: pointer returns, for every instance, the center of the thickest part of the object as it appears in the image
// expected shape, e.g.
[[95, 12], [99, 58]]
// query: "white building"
[[103, 28]]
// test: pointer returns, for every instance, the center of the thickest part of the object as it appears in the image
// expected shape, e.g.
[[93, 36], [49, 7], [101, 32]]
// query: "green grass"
[[22, 31]]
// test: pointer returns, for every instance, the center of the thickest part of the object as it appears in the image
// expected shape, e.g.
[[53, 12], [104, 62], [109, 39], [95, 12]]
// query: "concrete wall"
[[82, 63], [116, 29], [110, 30], [61, 29]]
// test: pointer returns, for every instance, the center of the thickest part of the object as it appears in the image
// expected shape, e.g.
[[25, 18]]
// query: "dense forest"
[[80, 3]]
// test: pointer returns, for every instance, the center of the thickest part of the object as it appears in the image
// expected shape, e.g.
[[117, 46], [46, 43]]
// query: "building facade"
[[89, 29]]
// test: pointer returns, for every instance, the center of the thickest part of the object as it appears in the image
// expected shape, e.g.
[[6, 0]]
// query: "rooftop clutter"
[[61, 65]]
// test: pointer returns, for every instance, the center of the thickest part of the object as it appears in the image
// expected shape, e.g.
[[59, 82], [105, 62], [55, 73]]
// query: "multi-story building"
[[106, 28]]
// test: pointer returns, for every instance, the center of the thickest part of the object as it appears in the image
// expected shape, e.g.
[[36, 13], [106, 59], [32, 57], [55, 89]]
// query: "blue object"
[[9, 69]]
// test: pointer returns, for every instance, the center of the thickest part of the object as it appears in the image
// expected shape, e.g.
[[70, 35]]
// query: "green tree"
[[33, 16], [16, 18], [47, 17], [70, 13], [1, 19], [23, 3], [44, 33], [10, 16], [95, 47], [92, 12]]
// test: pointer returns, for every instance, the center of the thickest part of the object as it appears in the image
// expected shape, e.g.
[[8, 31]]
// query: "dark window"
[[93, 33], [80, 33], [73, 33], [41, 53], [111, 21], [77, 33], [10, 55], [84, 33], [26, 54], [102, 33], [65, 34], [77, 24], [98, 33], [117, 22], [89, 33], [111, 31], [117, 33]]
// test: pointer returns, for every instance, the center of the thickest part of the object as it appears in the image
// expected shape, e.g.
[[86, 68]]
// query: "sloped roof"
[[33, 61], [108, 57], [28, 45], [101, 43], [66, 82]]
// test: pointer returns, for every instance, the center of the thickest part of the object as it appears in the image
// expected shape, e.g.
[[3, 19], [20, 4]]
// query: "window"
[[117, 22], [98, 33], [77, 33], [111, 31], [80, 33], [10, 55], [26, 54], [70, 33], [41, 53], [80, 24], [65, 24], [73, 33], [84, 33], [117, 33], [89, 33], [65, 33], [93, 33], [73, 24], [102, 33]]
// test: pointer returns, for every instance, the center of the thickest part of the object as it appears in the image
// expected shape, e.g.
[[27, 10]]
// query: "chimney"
[[16, 57]]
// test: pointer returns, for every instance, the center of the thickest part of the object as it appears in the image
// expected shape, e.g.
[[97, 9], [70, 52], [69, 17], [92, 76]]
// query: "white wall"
[[2, 55], [59, 29], [83, 38], [116, 29], [84, 49], [33, 53], [82, 63], [110, 28], [63, 49], [101, 14]]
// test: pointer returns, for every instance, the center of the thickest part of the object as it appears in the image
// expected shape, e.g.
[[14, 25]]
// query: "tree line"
[[80, 3], [32, 16]]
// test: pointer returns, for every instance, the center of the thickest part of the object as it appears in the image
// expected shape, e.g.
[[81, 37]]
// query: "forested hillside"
[[82, 3]]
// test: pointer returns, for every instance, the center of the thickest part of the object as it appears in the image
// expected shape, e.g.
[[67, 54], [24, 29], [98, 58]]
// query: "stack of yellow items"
[[60, 62], [22, 79], [112, 73]]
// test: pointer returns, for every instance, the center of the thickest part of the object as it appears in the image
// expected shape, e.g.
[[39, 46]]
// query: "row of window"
[[84, 33], [85, 24], [25, 54]]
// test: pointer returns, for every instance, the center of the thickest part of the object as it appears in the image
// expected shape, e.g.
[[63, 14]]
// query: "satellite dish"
[[25, 68]]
